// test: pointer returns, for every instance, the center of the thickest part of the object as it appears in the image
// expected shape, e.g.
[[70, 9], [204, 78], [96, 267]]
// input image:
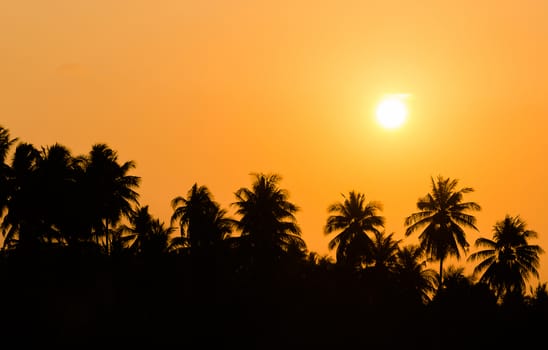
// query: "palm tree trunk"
[[441, 274], [106, 236]]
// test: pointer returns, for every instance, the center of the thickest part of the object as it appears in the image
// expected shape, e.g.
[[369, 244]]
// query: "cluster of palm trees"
[[505, 265], [48, 197]]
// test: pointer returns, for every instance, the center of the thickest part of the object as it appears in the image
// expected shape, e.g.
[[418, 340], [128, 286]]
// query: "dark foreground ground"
[[111, 306]]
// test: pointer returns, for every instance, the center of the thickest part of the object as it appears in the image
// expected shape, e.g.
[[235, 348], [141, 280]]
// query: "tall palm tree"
[[267, 218], [508, 260], [20, 225], [111, 190], [353, 218], [57, 193], [443, 215]]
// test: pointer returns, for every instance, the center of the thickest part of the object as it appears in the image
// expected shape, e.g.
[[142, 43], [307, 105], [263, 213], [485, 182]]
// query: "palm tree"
[[157, 240], [201, 220], [267, 218], [20, 224], [6, 142], [443, 215], [384, 251], [538, 298], [146, 235], [132, 236], [378, 273], [57, 193], [461, 294], [415, 279], [508, 260], [111, 191], [455, 278], [354, 218]]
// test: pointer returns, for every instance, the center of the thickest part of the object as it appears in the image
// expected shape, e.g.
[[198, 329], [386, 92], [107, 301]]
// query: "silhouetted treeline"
[[83, 263]]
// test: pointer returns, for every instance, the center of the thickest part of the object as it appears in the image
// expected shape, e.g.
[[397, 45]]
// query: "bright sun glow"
[[392, 111]]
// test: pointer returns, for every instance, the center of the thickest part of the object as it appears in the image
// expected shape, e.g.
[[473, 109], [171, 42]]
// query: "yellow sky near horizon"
[[210, 91]]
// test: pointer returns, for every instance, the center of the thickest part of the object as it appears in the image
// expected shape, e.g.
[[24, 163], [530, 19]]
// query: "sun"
[[392, 111]]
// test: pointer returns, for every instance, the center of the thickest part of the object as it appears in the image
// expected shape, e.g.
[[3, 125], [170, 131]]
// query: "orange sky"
[[209, 91]]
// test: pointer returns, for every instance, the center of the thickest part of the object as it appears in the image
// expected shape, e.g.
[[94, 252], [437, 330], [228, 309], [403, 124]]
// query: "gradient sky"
[[210, 91]]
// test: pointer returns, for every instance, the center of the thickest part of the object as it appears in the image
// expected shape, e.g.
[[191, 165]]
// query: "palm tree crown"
[[146, 235], [111, 190], [267, 218], [20, 223], [201, 220], [6, 178], [508, 259], [442, 214], [6, 142], [416, 280], [354, 218], [384, 251]]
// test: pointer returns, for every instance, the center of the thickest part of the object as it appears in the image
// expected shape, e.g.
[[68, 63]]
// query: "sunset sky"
[[211, 91]]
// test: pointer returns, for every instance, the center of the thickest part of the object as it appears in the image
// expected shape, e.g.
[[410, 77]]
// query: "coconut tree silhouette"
[[353, 218], [379, 272], [455, 279], [146, 236], [6, 142], [20, 224], [203, 226], [384, 251], [538, 299], [132, 236], [508, 260], [443, 214], [110, 189], [201, 220], [57, 194], [417, 282], [267, 219]]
